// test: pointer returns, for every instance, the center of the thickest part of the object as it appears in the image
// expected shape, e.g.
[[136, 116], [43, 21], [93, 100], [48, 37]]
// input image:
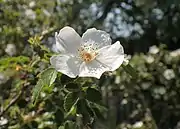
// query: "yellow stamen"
[[87, 53], [87, 57]]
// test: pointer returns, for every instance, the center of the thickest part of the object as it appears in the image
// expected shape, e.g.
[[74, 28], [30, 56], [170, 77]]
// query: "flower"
[[175, 53], [149, 59], [153, 49], [3, 121], [169, 74], [10, 49], [30, 14], [89, 56], [138, 124], [32, 4]]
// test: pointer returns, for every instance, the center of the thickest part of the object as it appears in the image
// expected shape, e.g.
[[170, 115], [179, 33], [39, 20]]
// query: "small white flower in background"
[[10, 49], [3, 121], [32, 4], [43, 94], [124, 101], [178, 125], [30, 14], [145, 85], [159, 90], [175, 53], [89, 56], [138, 124], [169, 74], [149, 59], [153, 49], [117, 79]]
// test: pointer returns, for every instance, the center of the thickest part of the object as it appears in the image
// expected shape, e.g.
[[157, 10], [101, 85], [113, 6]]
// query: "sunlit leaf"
[[70, 100], [36, 91], [48, 76]]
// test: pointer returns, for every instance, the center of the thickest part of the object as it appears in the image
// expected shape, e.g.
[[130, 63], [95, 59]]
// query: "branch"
[[14, 100]]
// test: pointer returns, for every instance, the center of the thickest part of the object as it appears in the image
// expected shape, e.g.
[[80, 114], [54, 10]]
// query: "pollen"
[[87, 57], [87, 53]]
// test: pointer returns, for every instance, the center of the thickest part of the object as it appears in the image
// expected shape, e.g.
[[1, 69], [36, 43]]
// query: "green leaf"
[[93, 95], [48, 76], [69, 125], [36, 91], [72, 111], [70, 100], [72, 87], [65, 79], [35, 40], [90, 110], [130, 70], [99, 111], [83, 109], [61, 127], [59, 116]]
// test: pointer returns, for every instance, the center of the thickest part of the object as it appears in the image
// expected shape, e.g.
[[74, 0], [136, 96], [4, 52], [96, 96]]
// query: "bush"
[[33, 95]]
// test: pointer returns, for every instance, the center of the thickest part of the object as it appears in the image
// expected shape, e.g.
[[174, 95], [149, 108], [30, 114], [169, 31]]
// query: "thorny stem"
[[15, 99]]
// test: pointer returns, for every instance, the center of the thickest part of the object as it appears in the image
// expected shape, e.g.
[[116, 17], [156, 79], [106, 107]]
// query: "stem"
[[14, 100]]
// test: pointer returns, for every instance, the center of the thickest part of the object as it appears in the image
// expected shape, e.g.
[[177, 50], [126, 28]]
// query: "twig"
[[14, 100]]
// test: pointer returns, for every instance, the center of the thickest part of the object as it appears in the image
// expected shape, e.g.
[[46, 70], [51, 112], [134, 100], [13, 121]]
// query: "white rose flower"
[[89, 56]]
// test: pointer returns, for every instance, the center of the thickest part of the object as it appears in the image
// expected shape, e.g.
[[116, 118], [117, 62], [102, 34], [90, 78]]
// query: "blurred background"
[[149, 30]]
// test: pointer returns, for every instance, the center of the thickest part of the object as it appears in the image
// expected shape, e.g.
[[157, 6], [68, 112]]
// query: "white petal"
[[66, 64], [92, 69], [101, 38], [68, 40], [112, 56]]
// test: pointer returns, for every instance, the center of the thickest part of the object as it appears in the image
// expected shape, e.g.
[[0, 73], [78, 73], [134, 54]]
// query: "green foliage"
[[70, 100], [47, 78], [70, 125], [72, 87], [147, 99], [129, 69], [36, 91], [93, 95], [12, 62]]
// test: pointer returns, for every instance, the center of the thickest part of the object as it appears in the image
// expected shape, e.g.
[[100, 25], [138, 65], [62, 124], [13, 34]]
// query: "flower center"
[[87, 52], [87, 57]]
